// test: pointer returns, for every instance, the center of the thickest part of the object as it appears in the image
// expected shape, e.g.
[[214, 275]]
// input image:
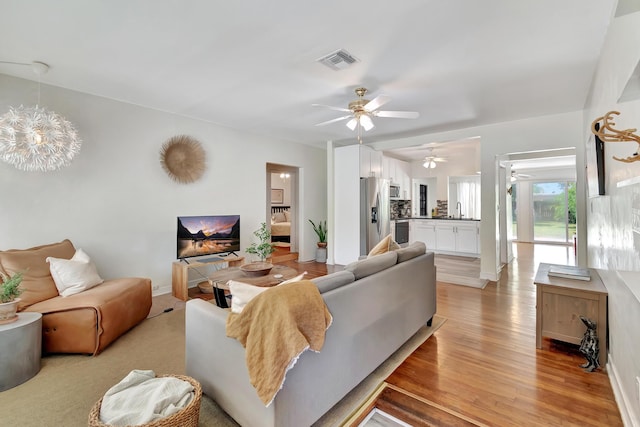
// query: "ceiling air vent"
[[338, 60]]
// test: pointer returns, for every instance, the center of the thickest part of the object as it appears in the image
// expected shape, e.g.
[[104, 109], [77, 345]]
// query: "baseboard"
[[629, 419], [161, 290], [492, 277]]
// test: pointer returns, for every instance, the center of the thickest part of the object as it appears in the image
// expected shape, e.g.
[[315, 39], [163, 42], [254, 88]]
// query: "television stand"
[[180, 273]]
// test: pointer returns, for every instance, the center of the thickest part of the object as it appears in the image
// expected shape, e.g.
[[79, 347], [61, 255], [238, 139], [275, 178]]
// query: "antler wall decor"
[[615, 135]]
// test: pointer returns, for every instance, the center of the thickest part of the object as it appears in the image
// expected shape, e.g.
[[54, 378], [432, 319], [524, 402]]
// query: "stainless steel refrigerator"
[[374, 212]]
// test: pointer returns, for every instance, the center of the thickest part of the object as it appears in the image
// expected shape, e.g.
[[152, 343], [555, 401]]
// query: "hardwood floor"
[[483, 363]]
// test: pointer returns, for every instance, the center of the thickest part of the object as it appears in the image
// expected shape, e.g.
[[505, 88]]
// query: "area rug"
[[459, 271], [67, 386]]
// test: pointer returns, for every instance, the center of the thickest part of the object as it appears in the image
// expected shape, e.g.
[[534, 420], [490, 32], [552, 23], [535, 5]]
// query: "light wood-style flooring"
[[483, 363]]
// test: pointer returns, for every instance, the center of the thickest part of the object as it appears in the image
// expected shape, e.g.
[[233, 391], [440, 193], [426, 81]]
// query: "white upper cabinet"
[[399, 172], [371, 162]]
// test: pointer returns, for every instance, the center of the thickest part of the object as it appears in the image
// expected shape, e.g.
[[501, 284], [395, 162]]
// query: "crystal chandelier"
[[36, 139]]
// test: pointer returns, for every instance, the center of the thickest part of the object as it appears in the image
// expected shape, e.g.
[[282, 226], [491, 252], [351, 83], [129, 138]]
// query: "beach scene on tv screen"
[[206, 235]]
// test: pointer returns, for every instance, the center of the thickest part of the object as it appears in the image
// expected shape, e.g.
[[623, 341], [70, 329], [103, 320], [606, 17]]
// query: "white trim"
[[629, 419]]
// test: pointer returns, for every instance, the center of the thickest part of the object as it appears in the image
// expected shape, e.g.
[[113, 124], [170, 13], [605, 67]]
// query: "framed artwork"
[[595, 165], [277, 196]]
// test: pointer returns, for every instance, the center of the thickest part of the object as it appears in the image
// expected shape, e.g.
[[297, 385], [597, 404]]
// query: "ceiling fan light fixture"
[[429, 164], [351, 124], [366, 122]]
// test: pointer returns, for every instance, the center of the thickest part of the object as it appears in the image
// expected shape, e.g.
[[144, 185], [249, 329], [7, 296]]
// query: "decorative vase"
[[8, 311], [256, 268], [322, 244], [321, 254]]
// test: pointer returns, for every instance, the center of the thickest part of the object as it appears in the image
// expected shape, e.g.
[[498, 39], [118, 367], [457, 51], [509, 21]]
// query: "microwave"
[[394, 191]]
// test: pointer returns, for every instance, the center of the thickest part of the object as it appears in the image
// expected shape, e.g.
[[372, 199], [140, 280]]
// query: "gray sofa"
[[377, 304]]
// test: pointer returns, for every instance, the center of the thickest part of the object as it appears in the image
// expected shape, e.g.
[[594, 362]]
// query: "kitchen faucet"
[[459, 209]]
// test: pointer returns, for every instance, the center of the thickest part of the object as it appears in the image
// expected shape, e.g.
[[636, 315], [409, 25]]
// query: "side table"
[[20, 349], [180, 273], [559, 304]]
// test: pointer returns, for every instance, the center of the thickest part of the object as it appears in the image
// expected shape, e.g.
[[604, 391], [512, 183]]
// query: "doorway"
[[554, 211], [282, 210]]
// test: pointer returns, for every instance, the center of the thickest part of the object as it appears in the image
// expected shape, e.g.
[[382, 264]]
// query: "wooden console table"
[[560, 303], [180, 273]]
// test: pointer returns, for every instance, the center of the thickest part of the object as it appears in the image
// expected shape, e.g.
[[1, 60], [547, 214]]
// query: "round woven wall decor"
[[183, 158]]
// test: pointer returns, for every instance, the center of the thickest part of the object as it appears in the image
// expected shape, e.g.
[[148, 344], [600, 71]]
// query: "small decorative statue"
[[589, 345]]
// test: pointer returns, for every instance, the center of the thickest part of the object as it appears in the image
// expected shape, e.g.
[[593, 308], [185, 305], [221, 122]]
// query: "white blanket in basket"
[[141, 398]]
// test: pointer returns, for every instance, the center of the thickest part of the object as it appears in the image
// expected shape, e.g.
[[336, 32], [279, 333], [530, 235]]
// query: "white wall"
[[117, 203], [458, 165], [612, 244], [539, 133]]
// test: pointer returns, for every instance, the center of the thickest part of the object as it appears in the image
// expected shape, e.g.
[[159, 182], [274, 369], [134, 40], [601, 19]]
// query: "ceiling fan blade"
[[398, 114], [376, 102], [334, 120], [346, 110]]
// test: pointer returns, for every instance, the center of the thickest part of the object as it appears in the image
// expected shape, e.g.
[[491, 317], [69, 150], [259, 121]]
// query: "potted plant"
[[321, 231], [9, 293], [262, 249]]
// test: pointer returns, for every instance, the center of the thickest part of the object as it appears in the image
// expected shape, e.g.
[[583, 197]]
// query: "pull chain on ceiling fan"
[[362, 110]]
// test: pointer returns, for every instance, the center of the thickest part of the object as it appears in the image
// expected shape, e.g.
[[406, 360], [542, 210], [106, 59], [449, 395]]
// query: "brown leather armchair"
[[86, 322]]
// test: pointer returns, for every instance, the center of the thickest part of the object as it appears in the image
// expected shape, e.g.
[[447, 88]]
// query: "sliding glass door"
[[554, 211]]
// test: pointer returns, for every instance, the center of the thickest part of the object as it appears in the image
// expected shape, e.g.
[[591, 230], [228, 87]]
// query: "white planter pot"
[[8, 311]]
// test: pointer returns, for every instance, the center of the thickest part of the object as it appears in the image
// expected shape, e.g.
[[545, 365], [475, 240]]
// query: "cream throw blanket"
[[275, 328], [141, 398]]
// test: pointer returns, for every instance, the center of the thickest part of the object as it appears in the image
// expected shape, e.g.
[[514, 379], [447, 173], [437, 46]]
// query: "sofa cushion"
[[367, 267], [413, 250], [89, 321], [37, 284], [74, 275], [333, 280], [385, 245]]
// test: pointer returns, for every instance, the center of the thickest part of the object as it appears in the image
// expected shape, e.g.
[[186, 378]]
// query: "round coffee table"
[[221, 277]]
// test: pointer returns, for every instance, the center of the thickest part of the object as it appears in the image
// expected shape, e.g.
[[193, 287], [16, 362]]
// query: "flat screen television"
[[207, 235]]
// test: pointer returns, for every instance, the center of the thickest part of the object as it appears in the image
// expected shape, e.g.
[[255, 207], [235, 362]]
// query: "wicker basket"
[[187, 417]]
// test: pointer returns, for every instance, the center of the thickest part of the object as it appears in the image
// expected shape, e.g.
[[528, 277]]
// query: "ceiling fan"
[[361, 111], [431, 159], [515, 175]]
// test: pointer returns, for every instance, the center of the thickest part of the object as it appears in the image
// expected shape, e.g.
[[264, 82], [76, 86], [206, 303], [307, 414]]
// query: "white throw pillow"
[[242, 293], [74, 275]]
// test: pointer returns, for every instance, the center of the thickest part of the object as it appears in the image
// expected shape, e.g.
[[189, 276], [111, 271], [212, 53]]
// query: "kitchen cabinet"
[[399, 172], [423, 231], [370, 162], [466, 237], [454, 237], [445, 237]]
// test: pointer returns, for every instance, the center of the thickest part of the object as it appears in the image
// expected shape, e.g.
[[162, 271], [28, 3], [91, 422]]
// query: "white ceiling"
[[252, 65]]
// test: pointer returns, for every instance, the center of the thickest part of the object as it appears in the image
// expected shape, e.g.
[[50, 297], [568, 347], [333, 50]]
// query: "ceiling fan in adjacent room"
[[515, 176], [362, 111], [431, 160]]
